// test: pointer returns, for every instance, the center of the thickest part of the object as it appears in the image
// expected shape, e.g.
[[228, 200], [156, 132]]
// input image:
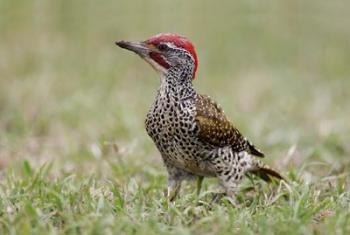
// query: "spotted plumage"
[[191, 131]]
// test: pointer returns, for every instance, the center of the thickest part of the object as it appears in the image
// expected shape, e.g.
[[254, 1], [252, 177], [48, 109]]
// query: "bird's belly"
[[187, 156], [177, 149]]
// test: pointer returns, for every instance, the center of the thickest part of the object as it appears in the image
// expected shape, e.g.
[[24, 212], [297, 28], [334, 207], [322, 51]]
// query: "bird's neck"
[[177, 84]]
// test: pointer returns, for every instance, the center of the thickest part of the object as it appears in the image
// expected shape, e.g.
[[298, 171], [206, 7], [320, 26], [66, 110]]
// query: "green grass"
[[74, 156]]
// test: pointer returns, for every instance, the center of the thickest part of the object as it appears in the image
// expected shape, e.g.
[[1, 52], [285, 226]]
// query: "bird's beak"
[[141, 48]]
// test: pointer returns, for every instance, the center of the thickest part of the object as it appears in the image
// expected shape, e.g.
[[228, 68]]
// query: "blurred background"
[[69, 96]]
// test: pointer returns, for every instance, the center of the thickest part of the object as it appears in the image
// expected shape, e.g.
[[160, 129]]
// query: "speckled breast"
[[172, 127]]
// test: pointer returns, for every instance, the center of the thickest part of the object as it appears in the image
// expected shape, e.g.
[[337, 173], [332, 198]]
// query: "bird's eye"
[[162, 47]]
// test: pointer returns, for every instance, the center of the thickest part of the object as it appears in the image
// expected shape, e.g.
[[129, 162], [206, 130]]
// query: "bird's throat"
[[176, 85]]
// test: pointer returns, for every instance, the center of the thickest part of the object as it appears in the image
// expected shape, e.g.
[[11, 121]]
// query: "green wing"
[[216, 129]]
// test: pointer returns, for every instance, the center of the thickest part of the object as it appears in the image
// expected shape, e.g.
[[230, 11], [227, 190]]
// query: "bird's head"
[[165, 51]]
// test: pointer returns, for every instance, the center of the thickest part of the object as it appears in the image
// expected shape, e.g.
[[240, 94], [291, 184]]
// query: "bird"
[[194, 136]]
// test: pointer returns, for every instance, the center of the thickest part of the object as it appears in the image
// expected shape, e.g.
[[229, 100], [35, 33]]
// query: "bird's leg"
[[199, 184], [174, 186], [175, 177], [217, 197], [231, 197], [230, 178]]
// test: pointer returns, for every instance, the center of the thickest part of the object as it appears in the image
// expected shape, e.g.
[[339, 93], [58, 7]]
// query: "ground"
[[74, 155]]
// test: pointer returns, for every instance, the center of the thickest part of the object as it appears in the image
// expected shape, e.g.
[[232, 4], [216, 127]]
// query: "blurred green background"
[[74, 155], [280, 69]]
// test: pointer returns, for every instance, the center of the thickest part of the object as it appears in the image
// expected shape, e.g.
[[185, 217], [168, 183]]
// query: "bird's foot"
[[217, 197]]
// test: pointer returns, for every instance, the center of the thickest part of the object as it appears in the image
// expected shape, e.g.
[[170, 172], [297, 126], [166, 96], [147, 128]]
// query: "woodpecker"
[[191, 131]]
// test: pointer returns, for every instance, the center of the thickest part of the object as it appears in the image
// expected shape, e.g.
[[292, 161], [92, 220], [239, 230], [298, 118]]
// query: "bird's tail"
[[264, 171]]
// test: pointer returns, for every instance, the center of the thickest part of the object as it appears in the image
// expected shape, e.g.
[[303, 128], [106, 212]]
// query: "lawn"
[[75, 157]]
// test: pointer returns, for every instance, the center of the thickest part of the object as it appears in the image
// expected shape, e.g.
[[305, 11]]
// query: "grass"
[[74, 156]]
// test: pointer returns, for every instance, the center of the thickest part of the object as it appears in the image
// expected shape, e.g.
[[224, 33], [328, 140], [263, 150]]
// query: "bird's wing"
[[215, 128]]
